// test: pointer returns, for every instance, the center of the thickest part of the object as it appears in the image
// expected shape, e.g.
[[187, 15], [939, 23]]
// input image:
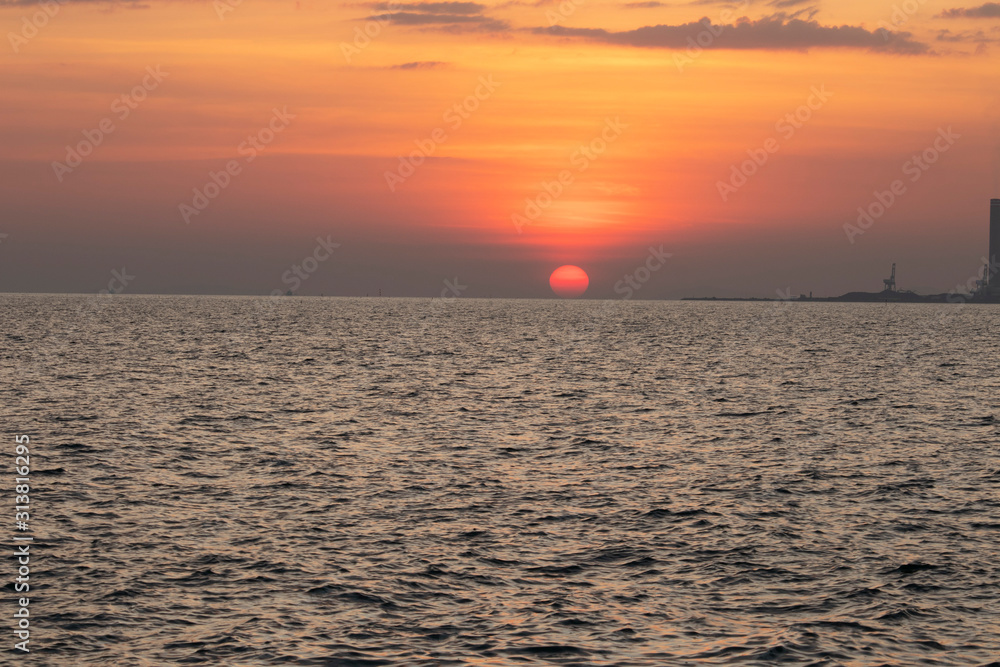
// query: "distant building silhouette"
[[994, 256]]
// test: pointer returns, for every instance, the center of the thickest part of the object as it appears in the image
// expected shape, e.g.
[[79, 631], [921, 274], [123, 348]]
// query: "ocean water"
[[319, 481]]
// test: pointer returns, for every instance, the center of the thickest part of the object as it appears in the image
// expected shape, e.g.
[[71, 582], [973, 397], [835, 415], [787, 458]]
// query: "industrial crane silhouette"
[[983, 284], [890, 282]]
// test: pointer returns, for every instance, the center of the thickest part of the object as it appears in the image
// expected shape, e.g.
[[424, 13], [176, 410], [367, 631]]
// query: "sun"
[[569, 281]]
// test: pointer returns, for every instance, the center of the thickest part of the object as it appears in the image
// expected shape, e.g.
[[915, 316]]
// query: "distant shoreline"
[[869, 297]]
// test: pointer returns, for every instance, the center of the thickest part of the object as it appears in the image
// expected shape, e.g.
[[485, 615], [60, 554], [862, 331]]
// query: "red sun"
[[569, 281]]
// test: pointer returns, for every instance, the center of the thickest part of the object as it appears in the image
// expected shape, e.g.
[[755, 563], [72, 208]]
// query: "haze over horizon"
[[493, 142]]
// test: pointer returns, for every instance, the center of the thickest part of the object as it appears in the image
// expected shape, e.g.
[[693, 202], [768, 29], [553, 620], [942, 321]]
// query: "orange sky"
[[672, 124]]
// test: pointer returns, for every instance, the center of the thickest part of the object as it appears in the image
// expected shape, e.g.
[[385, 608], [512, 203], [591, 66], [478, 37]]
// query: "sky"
[[669, 149]]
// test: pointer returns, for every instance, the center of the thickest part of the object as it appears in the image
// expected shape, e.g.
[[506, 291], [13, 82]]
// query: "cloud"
[[430, 7], [420, 64], [413, 18], [988, 11], [786, 4], [644, 5], [132, 4], [778, 32], [445, 16], [977, 37], [447, 21]]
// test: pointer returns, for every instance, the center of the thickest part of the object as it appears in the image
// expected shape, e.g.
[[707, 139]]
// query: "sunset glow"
[[487, 140]]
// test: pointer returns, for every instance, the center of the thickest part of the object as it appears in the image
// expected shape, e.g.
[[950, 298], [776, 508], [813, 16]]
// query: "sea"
[[433, 482]]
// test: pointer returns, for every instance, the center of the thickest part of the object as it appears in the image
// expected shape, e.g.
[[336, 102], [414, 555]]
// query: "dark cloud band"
[[774, 32]]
